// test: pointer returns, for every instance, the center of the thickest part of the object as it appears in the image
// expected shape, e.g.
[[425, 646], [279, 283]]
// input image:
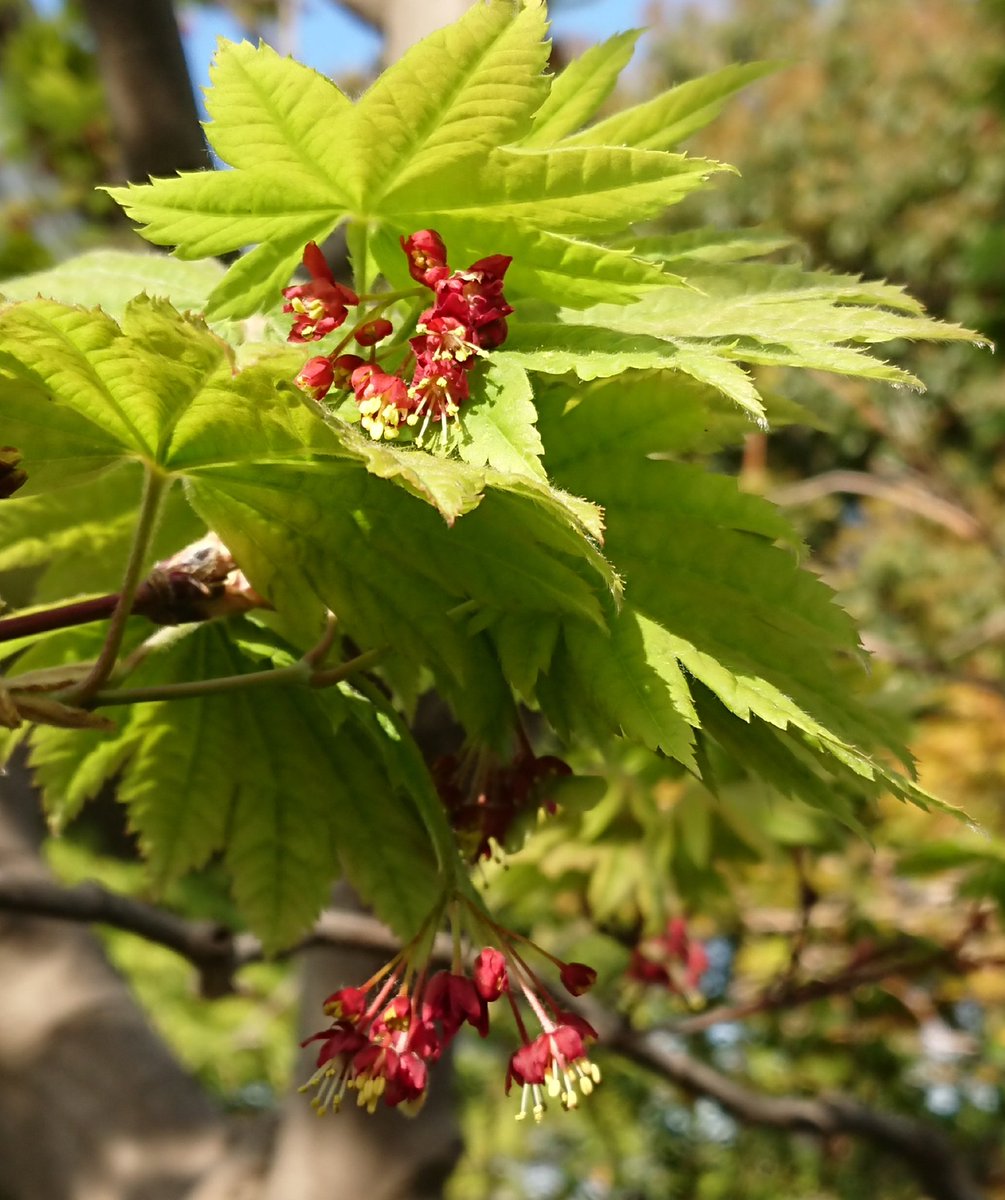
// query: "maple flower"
[[454, 999], [316, 377], [577, 978], [557, 1060], [385, 1034], [437, 391], [384, 402], [373, 331], [673, 960], [491, 976], [343, 367], [319, 306], [427, 257]]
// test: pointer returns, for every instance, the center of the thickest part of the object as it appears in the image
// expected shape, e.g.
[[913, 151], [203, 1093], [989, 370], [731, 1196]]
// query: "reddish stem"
[[63, 616]]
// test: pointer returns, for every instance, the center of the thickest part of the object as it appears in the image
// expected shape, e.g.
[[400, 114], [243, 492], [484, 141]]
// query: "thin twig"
[[155, 486]]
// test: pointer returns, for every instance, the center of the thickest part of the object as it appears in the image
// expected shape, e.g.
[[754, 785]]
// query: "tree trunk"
[[148, 88]]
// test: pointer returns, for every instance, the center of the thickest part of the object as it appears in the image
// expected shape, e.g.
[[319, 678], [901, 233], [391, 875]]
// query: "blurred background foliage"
[[878, 148]]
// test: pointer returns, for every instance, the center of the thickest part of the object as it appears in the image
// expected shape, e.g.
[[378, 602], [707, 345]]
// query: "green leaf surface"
[[213, 212], [265, 108], [447, 102], [498, 426], [82, 390], [666, 120], [588, 191], [394, 573], [705, 245], [111, 278], [634, 679], [580, 89], [80, 536]]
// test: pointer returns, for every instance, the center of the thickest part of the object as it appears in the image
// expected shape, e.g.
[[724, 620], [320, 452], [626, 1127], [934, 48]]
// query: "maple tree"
[[554, 553]]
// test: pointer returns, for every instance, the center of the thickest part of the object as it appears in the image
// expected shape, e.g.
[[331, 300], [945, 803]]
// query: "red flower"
[[316, 377], [320, 305], [373, 331], [343, 367], [577, 978], [407, 1083], [491, 977], [674, 960], [437, 391], [427, 257], [557, 1059], [348, 1003], [383, 400], [452, 1000]]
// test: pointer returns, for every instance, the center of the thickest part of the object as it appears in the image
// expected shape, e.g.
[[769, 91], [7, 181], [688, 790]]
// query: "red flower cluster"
[[487, 807], [673, 960], [386, 1034], [468, 316]]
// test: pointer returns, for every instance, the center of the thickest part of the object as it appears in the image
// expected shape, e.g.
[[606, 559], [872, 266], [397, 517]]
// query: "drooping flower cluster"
[[673, 960], [489, 804], [467, 317], [386, 1034]]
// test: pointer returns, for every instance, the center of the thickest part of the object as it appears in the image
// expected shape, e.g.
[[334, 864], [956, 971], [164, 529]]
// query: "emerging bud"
[[578, 978], [373, 332], [316, 377]]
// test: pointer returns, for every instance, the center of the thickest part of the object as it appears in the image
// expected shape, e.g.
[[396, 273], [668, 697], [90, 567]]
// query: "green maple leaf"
[[304, 160]]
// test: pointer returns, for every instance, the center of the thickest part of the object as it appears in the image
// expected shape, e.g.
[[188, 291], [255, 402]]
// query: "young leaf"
[[667, 119], [112, 278], [266, 109], [580, 89], [635, 682], [447, 102], [498, 427]]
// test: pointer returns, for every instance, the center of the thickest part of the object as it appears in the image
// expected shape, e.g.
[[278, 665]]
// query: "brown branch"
[[214, 950], [903, 493], [923, 1149]]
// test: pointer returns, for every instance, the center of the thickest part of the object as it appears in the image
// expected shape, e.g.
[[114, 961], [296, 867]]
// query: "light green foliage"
[[561, 546]]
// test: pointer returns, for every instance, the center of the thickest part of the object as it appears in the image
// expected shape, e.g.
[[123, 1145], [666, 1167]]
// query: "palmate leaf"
[[447, 102], [498, 428], [287, 780], [79, 389], [79, 536], [733, 610], [395, 573], [424, 147]]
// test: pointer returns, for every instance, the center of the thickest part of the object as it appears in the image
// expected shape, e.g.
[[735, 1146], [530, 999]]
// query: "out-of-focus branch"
[[903, 493], [214, 950], [147, 84], [924, 1150]]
